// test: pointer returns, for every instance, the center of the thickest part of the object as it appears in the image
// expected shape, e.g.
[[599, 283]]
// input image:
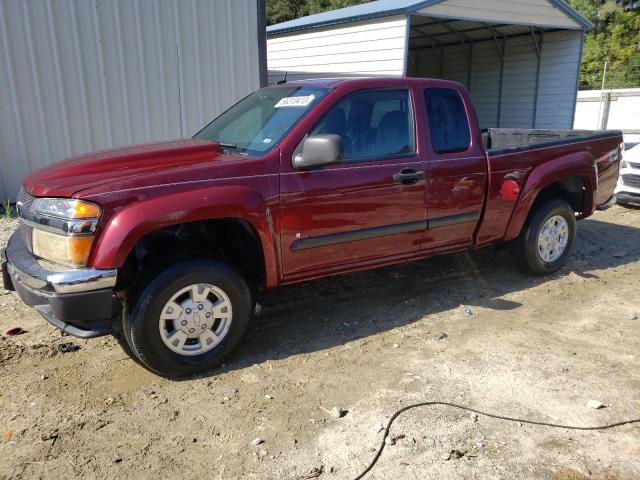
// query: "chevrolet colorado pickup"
[[169, 243]]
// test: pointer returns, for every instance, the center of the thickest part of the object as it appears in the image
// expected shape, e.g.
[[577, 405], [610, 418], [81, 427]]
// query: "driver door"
[[369, 208]]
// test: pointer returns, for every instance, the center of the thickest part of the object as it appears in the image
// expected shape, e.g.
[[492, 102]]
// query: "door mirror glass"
[[323, 149]]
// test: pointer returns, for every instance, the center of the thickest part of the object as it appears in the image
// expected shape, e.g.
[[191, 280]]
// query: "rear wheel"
[[547, 239], [188, 318]]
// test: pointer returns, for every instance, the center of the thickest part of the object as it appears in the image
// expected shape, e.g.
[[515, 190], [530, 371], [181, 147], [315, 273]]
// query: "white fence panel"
[[610, 109]]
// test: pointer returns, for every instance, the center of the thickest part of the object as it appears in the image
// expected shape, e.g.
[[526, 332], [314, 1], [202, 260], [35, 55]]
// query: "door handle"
[[408, 176]]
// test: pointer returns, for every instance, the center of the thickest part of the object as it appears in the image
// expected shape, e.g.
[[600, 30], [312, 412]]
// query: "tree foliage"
[[615, 38], [284, 10]]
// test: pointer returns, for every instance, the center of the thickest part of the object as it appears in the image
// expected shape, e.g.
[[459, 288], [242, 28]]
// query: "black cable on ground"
[[479, 412]]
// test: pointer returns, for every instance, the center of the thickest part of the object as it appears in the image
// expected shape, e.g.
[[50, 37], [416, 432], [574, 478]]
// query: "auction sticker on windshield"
[[301, 101]]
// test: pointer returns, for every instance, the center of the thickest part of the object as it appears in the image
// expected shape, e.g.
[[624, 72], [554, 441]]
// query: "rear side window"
[[447, 120], [373, 124]]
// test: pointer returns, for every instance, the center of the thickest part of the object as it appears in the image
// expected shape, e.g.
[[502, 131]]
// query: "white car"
[[628, 188]]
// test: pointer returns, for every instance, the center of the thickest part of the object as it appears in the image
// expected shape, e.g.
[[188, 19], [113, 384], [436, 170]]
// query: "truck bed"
[[499, 140], [509, 148]]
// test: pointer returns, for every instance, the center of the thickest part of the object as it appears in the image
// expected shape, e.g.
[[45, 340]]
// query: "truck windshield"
[[258, 123]]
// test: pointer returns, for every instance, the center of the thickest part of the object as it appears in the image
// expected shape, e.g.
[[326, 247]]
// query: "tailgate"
[[607, 167]]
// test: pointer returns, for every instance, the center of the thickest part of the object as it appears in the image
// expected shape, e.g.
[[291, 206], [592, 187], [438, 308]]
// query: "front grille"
[[27, 236], [631, 180], [25, 203]]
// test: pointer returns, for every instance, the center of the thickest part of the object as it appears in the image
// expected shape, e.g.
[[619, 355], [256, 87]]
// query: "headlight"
[[63, 229], [67, 208]]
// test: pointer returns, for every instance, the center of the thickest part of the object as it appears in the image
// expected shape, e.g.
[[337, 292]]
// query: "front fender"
[[574, 164], [129, 224]]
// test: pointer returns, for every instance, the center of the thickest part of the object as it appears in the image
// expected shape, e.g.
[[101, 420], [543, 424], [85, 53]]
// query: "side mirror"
[[319, 150]]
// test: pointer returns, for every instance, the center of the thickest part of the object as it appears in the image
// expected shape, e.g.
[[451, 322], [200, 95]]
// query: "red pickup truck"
[[169, 243]]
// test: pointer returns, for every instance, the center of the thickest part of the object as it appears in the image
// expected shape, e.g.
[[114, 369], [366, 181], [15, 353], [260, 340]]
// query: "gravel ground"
[[6, 229], [370, 343]]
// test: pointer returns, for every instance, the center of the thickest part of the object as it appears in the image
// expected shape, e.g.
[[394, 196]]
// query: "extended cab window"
[[256, 124], [447, 120], [372, 124]]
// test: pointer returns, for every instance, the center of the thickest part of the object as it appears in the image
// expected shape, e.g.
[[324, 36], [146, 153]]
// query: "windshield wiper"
[[226, 145]]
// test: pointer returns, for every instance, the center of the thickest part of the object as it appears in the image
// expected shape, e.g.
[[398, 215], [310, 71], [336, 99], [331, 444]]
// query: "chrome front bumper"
[[70, 281], [78, 301]]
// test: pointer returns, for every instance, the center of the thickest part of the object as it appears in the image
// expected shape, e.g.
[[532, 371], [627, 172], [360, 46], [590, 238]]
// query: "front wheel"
[[546, 241], [189, 318]]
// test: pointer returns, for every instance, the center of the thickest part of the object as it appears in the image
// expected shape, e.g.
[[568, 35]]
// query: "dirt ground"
[[369, 343]]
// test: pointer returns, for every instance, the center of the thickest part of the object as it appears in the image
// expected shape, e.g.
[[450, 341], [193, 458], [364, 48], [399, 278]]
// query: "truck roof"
[[372, 82]]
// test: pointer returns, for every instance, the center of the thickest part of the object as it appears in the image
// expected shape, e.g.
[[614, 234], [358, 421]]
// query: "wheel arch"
[[208, 207], [570, 177]]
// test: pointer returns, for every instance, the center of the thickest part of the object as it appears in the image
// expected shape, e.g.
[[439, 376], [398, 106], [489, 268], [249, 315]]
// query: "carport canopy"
[[520, 59]]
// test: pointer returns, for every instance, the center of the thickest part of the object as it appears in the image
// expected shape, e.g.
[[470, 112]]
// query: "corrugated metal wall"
[[82, 75], [486, 82], [559, 71], [559, 68], [519, 83], [374, 47]]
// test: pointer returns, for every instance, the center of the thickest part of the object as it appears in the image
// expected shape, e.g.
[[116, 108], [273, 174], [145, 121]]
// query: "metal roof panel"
[[384, 8]]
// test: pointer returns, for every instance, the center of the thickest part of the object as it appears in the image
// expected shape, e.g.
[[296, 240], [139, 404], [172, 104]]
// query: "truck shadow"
[[326, 313]]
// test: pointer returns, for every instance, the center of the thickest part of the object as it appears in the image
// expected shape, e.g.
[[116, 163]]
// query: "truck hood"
[[65, 178]]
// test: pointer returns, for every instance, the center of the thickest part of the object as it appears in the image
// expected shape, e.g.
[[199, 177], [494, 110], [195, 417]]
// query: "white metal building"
[[520, 59], [82, 75]]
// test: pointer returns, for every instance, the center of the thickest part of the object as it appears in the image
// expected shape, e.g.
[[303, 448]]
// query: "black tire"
[[524, 249], [141, 319]]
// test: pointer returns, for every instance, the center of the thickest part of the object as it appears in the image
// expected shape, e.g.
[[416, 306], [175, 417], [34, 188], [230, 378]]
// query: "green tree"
[[318, 6], [614, 40], [284, 10]]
